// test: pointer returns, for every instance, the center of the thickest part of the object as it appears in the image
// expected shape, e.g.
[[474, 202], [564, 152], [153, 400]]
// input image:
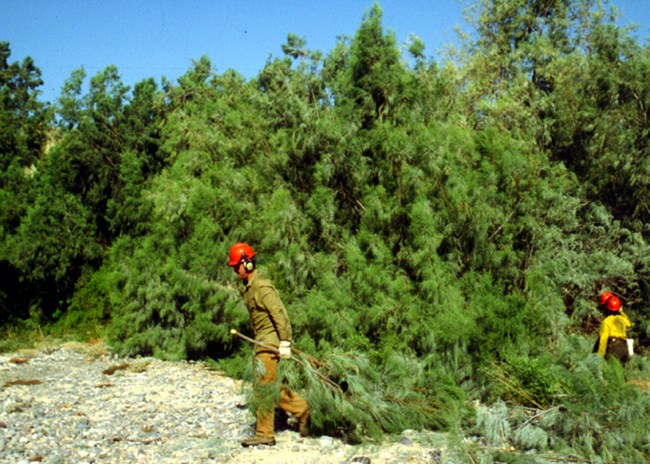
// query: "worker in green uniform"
[[271, 327]]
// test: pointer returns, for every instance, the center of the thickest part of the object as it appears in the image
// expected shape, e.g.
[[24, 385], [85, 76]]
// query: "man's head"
[[242, 260], [614, 304]]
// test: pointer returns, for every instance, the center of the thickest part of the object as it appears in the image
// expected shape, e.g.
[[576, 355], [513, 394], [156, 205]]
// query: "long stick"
[[328, 381], [313, 361]]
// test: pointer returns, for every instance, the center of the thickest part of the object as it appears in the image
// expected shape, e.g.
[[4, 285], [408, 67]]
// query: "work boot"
[[303, 424], [257, 440]]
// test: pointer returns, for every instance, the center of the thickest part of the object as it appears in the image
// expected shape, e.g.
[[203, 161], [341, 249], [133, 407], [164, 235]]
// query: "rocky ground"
[[77, 403]]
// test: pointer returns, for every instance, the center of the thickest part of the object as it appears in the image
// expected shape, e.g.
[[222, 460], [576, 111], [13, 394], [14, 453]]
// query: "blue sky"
[[156, 38]]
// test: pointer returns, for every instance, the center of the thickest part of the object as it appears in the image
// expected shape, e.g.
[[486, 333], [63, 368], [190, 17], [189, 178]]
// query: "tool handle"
[[328, 381]]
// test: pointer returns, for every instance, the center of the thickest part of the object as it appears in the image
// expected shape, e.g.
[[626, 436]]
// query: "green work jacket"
[[268, 315]]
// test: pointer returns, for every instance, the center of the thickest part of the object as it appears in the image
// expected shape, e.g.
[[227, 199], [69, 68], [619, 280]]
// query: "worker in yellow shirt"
[[612, 339], [272, 330]]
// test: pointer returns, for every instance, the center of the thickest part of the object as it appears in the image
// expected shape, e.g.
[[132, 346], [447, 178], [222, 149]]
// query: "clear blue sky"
[[156, 38]]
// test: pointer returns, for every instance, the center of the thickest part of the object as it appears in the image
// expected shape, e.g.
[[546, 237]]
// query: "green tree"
[[373, 77], [448, 224], [170, 296], [23, 119], [86, 191], [23, 137]]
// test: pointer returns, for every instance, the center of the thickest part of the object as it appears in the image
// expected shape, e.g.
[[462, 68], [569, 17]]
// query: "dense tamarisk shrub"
[[438, 231]]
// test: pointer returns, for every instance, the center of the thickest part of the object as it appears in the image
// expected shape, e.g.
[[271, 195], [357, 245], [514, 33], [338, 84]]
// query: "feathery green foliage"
[[437, 232], [357, 399]]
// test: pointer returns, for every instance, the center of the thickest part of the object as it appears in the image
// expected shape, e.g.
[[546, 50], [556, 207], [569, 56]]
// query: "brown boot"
[[303, 424], [257, 440]]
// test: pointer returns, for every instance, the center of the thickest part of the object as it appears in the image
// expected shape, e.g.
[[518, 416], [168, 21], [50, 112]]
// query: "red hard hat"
[[604, 297], [240, 251], [613, 303]]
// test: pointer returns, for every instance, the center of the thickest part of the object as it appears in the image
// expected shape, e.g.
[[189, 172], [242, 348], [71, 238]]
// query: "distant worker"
[[271, 327], [612, 340]]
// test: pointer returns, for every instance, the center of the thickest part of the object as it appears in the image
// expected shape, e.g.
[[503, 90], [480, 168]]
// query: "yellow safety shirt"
[[612, 327]]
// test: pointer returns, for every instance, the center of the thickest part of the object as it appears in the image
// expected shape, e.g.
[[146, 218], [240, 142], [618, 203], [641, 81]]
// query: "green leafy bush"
[[438, 232]]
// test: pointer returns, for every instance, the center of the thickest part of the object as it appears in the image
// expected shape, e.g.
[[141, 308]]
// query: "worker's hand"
[[285, 349]]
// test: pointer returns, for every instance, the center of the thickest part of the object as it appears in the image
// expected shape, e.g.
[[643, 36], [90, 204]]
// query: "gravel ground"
[[77, 403]]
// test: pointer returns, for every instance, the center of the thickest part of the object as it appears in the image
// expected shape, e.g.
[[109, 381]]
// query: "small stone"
[[405, 441], [362, 460], [325, 441], [55, 459]]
